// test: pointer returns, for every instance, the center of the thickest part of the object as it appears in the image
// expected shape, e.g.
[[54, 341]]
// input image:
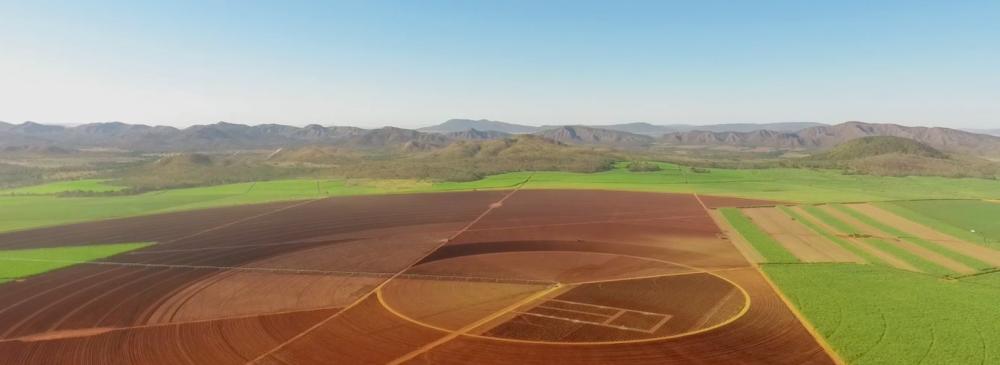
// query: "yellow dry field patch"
[[882, 255], [981, 253], [912, 248], [797, 238]]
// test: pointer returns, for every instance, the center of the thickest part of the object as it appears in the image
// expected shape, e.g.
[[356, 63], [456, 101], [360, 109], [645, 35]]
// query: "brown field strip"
[[861, 244], [798, 239], [922, 252], [969, 249]]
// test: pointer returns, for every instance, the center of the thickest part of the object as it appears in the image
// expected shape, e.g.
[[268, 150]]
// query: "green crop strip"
[[822, 232], [910, 258], [968, 261], [760, 240]]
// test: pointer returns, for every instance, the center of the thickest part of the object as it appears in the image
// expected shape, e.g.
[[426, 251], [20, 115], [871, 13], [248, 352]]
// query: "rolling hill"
[[595, 136], [826, 137], [866, 147], [660, 130], [898, 156]]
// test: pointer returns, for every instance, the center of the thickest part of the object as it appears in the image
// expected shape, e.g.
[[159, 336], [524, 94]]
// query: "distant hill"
[[898, 156], [458, 125], [992, 132], [826, 137], [758, 138], [866, 147], [193, 169], [595, 136], [224, 136], [461, 125], [392, 137], [660, 130], [138, 137], [460, 160], [475, 134]]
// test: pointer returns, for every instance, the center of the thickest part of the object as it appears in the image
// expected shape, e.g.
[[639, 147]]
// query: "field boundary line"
[[788, 304], [309, 330], [474, 325]]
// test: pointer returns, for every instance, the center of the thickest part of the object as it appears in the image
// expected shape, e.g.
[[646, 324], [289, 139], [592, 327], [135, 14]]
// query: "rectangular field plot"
[[616, 318], [649, 322]]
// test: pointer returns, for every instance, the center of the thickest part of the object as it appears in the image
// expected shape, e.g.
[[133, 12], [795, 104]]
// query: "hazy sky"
[[413, 63]]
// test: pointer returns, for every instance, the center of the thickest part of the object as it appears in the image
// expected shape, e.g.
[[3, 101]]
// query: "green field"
[[770, 249], [796, 185], [89, 185], [16, 264], [941, 250], [807, 221], [880, 244], [877, 315], [957, 218]]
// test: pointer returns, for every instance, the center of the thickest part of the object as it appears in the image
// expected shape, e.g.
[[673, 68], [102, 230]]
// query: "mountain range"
[[458, 125], [229, 136]]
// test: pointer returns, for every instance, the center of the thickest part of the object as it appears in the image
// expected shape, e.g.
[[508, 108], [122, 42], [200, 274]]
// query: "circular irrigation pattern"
[[564, 297]]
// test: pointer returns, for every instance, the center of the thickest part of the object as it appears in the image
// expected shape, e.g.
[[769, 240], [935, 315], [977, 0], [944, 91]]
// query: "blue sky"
[[413, 63]]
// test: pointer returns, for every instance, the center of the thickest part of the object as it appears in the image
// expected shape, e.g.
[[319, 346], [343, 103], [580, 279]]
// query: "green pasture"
[[16, 264]]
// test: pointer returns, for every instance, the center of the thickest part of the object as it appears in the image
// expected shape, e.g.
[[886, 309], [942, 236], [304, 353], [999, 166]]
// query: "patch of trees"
[[642, 166]]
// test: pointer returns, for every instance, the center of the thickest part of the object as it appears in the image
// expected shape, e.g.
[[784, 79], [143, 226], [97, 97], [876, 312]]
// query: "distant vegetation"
[[66, 187], [459, 161], [642, 166], [866, 147], [15, 175], [195, 169], [896, 156]]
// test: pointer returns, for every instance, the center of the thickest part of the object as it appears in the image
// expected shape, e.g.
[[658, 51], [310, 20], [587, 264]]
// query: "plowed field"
[[500, 277]]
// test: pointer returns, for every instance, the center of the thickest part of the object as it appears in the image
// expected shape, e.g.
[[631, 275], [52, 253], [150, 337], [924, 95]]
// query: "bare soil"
[[263, 275]]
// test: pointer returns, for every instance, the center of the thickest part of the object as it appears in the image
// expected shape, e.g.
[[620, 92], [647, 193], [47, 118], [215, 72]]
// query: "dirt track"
[[195, 298]]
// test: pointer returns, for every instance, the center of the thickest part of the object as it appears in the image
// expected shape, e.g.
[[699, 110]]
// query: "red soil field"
[[429, 278]]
